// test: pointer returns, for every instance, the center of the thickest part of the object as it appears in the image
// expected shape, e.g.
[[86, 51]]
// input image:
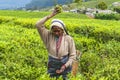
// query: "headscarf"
[[58, 23]]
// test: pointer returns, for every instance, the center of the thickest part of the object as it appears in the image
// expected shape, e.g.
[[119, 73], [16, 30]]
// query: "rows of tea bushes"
[[24, 57], [22, 54], [100, 30], [112, 16], [36, 14]]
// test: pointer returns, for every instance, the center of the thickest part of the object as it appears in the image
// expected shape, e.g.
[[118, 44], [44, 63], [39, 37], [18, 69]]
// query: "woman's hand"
[[57, 9], [61, 69]]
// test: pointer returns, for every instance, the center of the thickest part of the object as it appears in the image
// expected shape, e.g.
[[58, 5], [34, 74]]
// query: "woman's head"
[[57, 27], [57, 31]]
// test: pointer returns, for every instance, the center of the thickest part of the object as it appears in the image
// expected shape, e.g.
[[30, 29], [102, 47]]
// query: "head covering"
[[57, 22], [60, 24]]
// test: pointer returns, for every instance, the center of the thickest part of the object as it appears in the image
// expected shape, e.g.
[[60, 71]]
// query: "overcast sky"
[[12, 3]]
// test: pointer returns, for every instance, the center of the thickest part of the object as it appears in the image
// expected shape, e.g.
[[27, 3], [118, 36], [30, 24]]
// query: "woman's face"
[[57, 31]]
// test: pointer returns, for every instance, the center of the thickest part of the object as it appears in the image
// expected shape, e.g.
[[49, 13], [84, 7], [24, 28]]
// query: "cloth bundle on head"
[[59, 23]]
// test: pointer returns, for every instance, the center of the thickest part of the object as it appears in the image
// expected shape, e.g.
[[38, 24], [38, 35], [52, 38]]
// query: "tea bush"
[[111, 16], [23, 55]]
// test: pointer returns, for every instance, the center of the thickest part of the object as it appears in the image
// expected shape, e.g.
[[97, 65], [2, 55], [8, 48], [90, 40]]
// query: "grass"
[[40, 14]]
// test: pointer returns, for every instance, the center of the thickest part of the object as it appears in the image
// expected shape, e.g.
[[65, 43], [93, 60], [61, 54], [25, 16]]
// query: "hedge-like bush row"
[[111, 16], [28, 23], [100, 32]]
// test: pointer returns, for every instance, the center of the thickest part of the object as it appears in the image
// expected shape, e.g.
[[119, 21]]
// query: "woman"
[[60, 46]]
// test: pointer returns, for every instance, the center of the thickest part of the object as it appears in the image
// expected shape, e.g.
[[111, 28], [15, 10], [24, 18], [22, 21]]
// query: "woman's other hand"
[[61, 69]]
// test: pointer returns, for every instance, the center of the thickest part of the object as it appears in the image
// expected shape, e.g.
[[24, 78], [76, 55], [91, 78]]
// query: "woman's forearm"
[[42, 21]]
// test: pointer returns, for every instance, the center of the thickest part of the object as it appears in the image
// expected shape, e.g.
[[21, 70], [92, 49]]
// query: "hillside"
[[30, 4], [39, 4], [93, 3]]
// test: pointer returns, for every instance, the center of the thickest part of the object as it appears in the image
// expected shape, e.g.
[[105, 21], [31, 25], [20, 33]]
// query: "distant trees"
[[39, 4], [117, 9], [102, 5], [78, 1]]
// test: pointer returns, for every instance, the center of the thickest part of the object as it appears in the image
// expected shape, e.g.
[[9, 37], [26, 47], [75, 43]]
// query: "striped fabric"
[[55, 64]]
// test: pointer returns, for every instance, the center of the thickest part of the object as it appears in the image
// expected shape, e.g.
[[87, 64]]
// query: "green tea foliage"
[[24, 57], [112, 16]]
